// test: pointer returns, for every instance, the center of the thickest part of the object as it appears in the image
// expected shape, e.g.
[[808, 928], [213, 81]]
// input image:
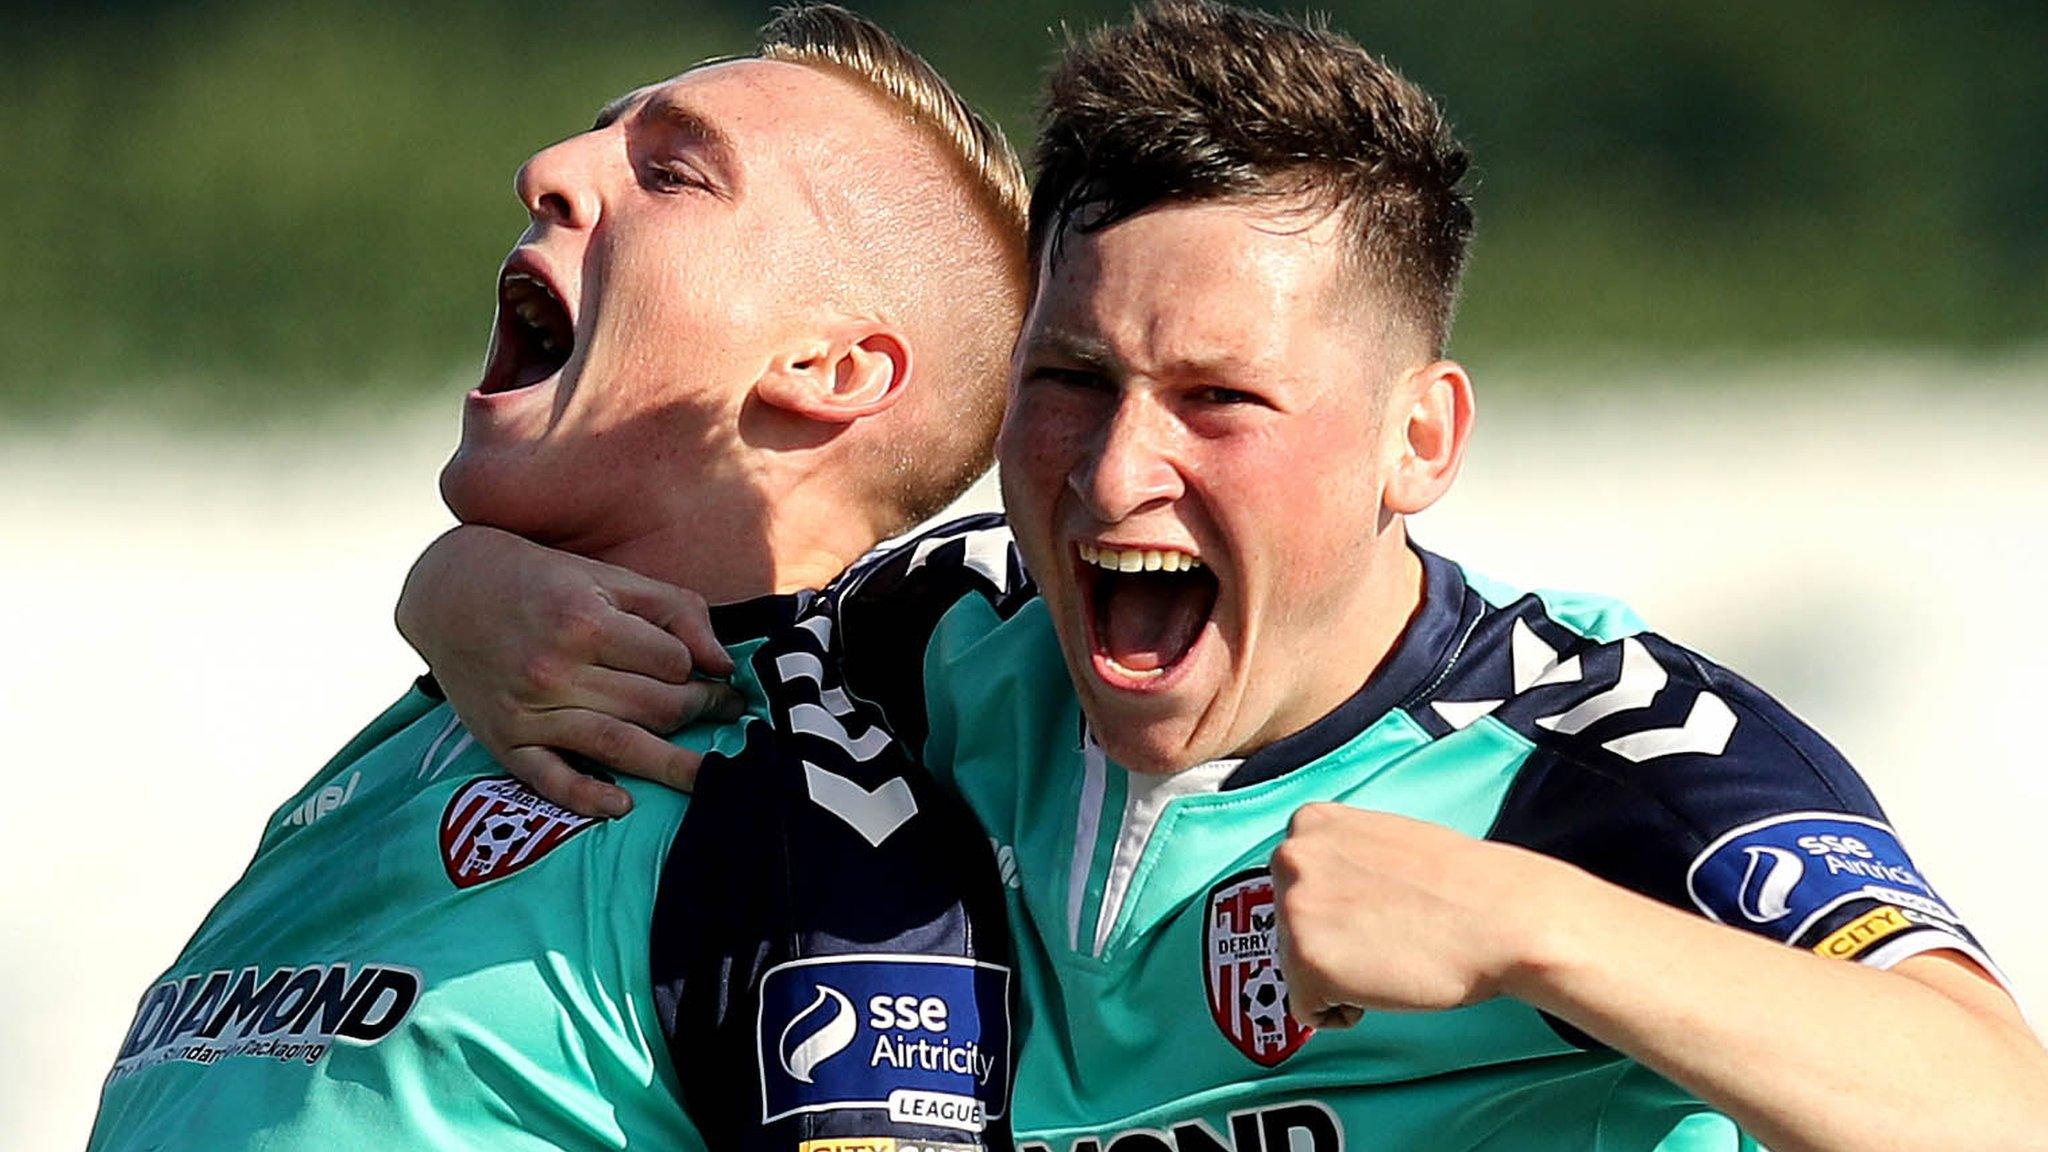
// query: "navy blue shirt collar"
[[754, 619]]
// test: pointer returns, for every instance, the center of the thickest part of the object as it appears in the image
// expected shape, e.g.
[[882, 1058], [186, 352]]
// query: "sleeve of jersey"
[[885, 610], [1677, 779], [831, 961]]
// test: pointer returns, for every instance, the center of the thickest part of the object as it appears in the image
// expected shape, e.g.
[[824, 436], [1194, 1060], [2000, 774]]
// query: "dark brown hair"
[[1195, 101]]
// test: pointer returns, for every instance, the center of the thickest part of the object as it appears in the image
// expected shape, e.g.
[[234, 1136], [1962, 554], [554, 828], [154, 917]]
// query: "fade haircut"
[[1194, 101], [831, 36], [951, 438]]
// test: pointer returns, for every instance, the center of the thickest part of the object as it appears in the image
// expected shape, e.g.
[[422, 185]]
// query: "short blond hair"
[[954, 430]]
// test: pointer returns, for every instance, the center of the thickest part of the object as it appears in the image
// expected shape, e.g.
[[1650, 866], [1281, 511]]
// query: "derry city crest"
[[496, 826], [1241, 962]]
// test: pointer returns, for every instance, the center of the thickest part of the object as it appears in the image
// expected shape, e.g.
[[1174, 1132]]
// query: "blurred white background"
[[194, 624]]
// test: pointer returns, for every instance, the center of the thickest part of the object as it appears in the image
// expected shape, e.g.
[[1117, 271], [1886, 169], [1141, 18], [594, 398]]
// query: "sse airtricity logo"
[[925, 1039], [1785, 873], [818, 1033], [1768, 882]]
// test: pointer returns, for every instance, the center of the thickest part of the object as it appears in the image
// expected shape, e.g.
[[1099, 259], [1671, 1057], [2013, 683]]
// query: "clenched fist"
[[1378, 911]]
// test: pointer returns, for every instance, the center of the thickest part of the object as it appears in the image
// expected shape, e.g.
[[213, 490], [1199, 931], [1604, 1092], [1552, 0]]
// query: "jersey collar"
[[759, 617]]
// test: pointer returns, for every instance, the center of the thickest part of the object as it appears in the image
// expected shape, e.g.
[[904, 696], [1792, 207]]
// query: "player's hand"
[[543, 654], [1378, 911]]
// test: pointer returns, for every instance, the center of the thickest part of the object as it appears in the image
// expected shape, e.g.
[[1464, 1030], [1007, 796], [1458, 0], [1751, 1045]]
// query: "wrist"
[[1545, 931]]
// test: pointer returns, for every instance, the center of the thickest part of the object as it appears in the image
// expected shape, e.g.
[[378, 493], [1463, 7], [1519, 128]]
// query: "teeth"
[[522, 283], [1138, 560], [1134, 673], [525, 292], [533, 301]]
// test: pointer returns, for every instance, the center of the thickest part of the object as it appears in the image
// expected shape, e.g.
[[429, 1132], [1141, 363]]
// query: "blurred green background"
[[268, 209]]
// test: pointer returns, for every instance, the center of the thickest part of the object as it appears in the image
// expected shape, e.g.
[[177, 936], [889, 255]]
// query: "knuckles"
[[1310, 819], [691, 603], [1289, 862], [540, 678], [572, 617]]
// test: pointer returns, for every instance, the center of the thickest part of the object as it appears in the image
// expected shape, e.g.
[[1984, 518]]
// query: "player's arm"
[[1805, 1053], [1838, 1003], [545, 654]]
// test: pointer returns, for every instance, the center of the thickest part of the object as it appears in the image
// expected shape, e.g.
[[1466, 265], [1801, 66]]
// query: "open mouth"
[[534, 335], [1146, 608]]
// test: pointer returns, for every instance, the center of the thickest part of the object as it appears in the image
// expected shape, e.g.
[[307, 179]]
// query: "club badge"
[[1241, 963], [495, 826]]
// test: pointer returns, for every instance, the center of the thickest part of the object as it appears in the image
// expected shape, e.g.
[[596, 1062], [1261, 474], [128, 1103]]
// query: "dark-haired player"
[[1248, 746], [798, 272]]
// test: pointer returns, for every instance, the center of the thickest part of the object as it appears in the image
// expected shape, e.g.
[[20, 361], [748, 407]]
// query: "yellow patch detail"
[[1855, 938], [850, 1144]]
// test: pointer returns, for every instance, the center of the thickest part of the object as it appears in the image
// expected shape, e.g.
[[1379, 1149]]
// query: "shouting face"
[[1210, 442], [673, 255]]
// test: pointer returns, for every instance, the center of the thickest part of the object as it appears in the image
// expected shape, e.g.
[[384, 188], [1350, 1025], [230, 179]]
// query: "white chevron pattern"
[[1641, 679], [1707, 729], [988, 552]]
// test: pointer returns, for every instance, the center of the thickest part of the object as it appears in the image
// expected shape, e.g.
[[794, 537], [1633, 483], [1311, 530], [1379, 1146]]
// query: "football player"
[[797, 272]]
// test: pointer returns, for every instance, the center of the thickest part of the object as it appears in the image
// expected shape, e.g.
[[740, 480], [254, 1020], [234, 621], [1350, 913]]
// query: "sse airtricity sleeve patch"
[[1785, 875], [1660, 771], [925, 1038]]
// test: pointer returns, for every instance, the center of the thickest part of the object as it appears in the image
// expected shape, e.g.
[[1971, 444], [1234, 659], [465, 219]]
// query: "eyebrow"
[[1098, 356], [1088, 352], [694, 128]]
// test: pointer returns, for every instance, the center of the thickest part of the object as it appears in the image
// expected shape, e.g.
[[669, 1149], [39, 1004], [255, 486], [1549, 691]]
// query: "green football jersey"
[[423, 953], [1155, 1015]]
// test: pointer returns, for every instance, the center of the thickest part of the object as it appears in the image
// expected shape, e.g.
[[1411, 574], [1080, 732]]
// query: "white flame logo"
[[828, 1041], [1767, 896]]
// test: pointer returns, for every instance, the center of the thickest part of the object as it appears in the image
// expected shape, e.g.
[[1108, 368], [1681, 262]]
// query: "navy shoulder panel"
[[1663, 772], [886, 607], [830, 954]]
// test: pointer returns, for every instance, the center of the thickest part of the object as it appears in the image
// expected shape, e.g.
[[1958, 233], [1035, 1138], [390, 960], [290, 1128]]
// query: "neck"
[[1358, 641], [738, 547]]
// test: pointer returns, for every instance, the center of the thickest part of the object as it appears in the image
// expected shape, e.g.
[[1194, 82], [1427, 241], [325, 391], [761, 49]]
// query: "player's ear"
[[837, 379], [1429, 415]]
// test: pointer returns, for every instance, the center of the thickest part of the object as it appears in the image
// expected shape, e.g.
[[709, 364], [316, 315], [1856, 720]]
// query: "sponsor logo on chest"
[[1296, 1126], [496, 826], [290, 1015], [1241, 966]]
